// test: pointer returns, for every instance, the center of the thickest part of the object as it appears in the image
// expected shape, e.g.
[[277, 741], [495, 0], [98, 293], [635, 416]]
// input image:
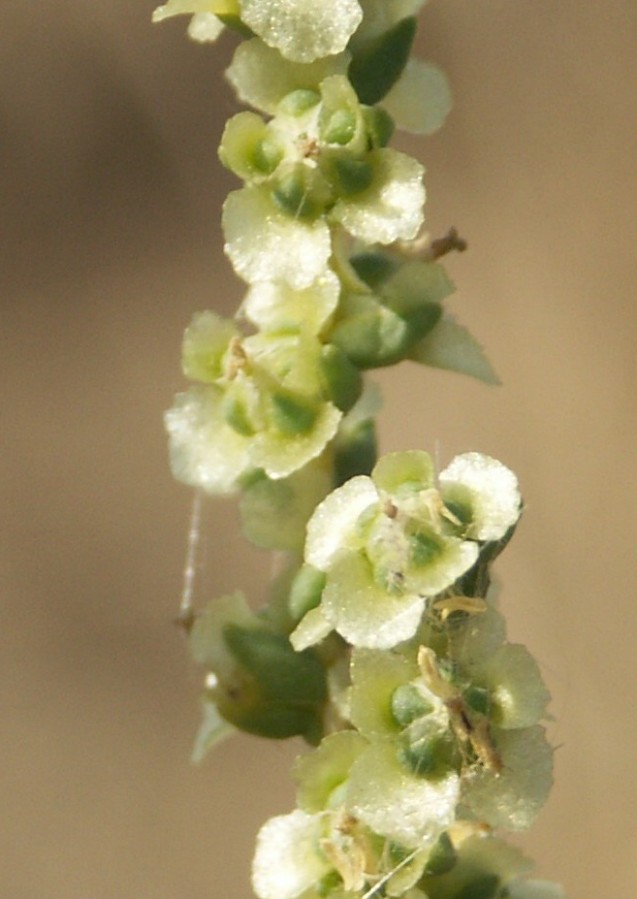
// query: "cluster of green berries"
[[381, 643]]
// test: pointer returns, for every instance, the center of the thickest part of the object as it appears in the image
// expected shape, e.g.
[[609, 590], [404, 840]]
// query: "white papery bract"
[[513, 799], [488, 488], [262, 77], [204, 450], [518, 695], [265, 244], [396, 803], [420, 101], [275, 306], [391, 208], [287, 859], [302, 30]]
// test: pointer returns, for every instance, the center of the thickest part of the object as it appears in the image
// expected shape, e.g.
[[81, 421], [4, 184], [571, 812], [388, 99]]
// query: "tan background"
[[110, 195]]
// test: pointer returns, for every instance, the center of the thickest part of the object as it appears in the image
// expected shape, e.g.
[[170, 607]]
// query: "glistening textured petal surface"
[[264, 244], [303, 30]]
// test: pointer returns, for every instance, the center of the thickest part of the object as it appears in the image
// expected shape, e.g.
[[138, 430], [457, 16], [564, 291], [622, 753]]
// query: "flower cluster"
[[381, 643]]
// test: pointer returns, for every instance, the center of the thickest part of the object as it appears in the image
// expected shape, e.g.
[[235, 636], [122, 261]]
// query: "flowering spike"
[[381, 644]]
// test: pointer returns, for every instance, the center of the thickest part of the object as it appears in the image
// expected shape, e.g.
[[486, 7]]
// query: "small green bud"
[[369, 333], [276, 692], [248, 147], [373, 268], [459, 506], [266, 156], [301, 192], [432, 758], [339, 127], [291, 415], [425, 547], [350, 176], [299, 101], [478, 699], [235, 412], [379, 126], [442, 858], [343, 380], [408, 704]]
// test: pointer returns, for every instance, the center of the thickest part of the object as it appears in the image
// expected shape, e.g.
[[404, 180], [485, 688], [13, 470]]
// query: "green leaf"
[[450, 346], [301, 192], [351, 176], [378, 66]]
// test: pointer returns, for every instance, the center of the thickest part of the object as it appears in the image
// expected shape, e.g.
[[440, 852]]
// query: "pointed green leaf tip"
[[378, 66], [451, 347]]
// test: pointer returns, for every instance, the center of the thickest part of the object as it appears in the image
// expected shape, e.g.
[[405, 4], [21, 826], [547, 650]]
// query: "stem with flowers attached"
[[381, 644]]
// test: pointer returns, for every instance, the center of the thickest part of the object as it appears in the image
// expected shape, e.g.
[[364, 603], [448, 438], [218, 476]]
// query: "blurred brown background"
[[110, 196]]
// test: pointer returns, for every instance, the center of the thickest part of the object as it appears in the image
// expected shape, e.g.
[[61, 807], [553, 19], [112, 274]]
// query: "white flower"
[[382, 544], [489, 488]]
